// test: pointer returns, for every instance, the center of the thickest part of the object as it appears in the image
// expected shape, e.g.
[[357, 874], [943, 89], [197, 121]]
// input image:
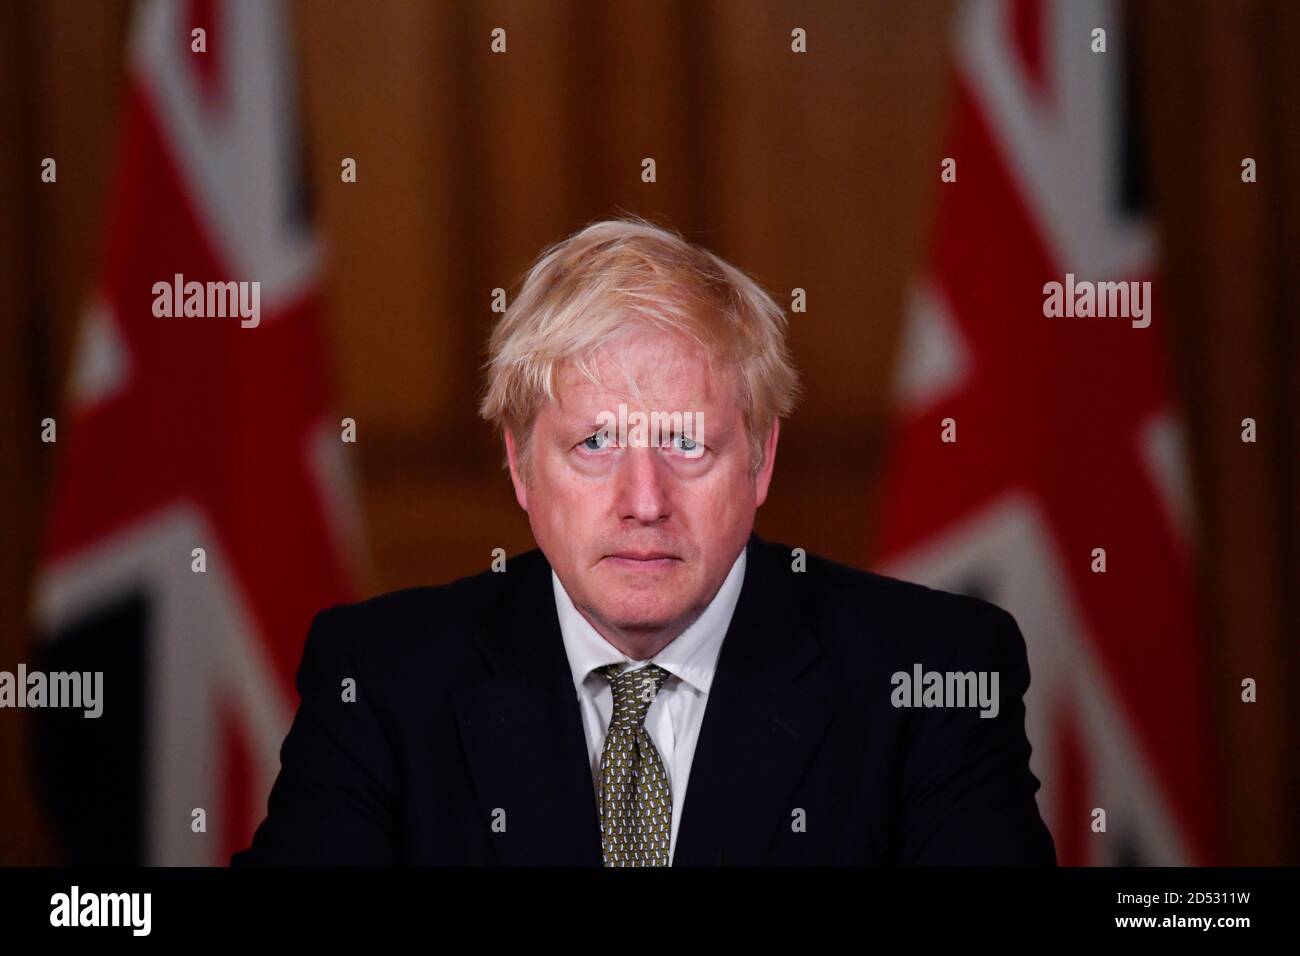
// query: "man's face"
[[640, 536]]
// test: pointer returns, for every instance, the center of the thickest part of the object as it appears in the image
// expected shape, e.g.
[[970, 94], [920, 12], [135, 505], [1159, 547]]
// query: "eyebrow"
[[577, 427], [580, 424]]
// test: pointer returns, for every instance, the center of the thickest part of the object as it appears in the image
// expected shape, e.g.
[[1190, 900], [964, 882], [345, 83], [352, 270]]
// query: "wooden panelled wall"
[[471, 163], [814, 171]]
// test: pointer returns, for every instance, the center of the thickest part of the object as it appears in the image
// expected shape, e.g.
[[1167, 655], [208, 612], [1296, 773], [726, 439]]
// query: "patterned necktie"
[[636, 805]]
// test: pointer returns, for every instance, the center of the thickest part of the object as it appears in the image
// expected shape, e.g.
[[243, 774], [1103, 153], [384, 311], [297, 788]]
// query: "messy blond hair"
[[618, 275]]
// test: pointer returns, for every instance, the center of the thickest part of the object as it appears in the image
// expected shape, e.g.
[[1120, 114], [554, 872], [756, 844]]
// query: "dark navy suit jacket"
[[466, 715]]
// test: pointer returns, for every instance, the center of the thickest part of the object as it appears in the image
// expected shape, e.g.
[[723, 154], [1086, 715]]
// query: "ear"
[[764, 477], [516, 473]]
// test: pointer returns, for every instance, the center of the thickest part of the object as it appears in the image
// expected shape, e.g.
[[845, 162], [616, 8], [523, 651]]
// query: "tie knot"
[[634, 691]]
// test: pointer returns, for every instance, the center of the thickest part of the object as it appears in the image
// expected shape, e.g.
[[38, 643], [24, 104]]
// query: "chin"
[[638, 615]]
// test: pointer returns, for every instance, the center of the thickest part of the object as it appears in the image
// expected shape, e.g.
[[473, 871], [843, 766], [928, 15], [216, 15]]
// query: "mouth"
[[643, 560]]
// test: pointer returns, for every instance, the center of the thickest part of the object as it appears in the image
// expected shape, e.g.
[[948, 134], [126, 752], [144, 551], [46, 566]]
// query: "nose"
[[642, 490]]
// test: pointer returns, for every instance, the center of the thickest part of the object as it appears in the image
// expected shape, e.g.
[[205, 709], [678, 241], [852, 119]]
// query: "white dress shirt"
[[675, 715]]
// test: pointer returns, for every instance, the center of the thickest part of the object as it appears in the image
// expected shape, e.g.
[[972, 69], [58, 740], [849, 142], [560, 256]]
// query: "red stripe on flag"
[[1073, 822], [206, 66], [1029, 37], [239, 813]]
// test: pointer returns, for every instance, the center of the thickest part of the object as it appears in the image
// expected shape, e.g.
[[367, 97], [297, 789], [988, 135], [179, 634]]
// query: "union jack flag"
[[186, 433], [1068, 435]]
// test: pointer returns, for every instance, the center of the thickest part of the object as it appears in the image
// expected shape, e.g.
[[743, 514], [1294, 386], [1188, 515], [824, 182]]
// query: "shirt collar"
[[692, 656]]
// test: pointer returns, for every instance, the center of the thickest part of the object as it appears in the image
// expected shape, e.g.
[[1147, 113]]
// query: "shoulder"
[[854, 610], [397, 630]]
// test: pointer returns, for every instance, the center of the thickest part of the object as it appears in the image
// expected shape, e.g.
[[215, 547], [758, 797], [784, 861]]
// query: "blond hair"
[[617, 275]]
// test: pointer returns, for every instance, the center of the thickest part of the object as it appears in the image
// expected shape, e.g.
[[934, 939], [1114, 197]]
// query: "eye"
[[687, 446], [596, 442]]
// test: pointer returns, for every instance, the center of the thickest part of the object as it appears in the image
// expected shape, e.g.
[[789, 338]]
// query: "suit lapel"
[[523, 736], [765, 718]]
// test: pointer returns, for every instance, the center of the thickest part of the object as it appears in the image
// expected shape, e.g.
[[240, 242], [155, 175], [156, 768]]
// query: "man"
[[656, 685]]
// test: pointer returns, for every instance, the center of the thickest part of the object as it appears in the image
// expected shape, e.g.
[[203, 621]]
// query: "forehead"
[[650, 368]]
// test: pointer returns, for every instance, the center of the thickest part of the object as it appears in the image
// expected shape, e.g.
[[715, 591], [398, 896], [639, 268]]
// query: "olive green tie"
[[636, 805]]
